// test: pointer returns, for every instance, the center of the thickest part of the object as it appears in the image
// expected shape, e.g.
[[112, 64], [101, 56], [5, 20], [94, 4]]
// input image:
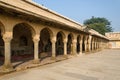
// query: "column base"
[[53, 58], [65, 56], [89, 51], [80, 53], [37, 61], [7, 68], [74, 54]]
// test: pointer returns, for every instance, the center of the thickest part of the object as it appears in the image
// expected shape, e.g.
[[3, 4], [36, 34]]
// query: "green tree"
[[102, 25]]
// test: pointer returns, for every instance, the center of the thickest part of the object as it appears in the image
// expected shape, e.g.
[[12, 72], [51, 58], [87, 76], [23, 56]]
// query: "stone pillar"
[[93, 45], [65, 48], [100, 45], [81, 42], [85, 45], [89, 45], [96, 45], [7, 37], [53, 40], [74, 52], [36, 40]]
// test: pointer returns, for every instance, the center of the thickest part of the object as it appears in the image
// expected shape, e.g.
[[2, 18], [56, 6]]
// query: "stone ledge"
[[33, 65]]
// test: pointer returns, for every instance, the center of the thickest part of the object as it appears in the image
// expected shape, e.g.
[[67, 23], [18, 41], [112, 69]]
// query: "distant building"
[[114, 38]]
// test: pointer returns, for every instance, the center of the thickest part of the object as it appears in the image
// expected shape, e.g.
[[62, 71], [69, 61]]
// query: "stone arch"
[[62, 33], [59, 43], [72, 36], [22, 43], [2, 31], [45, 45], [30, 27], [70, 43], [2, 28]]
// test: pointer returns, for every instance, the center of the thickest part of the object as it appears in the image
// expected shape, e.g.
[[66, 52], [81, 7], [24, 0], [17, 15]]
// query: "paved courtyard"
[[104, 65]]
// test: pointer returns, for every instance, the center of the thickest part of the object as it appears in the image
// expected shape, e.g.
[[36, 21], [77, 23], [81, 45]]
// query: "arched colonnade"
[[23, 40]]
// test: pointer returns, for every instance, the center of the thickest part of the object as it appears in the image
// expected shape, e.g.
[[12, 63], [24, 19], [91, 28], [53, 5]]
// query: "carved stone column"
[[89, 44], [85, 45], [96, 45], [93, 45], [81, 42], [7, 37], [36, 40], [74, 52], [100, 44], [65, 48], [53, 40]]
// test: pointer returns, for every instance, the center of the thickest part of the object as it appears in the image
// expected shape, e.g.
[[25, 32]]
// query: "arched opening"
[[2, 31], [78, 44], [69, 44], [22, 46], [87, 45], [45, 45], [83, 44], [59, 44], [1, 49]]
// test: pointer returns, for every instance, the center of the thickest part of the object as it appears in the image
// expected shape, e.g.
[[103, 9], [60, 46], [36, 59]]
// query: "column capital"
[[74, 41], [90, 36], [81, 41], [7, 37], [53, 39], [85, 41], [81, 35], [36, 38], [65, 40]]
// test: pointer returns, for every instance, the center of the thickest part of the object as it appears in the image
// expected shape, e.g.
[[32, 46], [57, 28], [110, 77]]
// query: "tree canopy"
[[102, 25]]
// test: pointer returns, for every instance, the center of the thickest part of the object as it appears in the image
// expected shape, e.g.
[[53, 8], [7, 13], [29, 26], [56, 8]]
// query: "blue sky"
[[80, 10]]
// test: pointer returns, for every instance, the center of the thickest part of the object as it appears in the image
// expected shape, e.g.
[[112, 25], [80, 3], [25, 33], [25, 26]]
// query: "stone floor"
[[104, 65], [29, 63]]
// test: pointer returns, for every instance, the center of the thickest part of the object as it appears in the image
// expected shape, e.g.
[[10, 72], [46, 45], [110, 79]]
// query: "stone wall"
[[114, 38]]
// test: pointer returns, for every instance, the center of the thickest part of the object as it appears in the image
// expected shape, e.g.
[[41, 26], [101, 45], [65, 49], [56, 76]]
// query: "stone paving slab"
[[104, 65]]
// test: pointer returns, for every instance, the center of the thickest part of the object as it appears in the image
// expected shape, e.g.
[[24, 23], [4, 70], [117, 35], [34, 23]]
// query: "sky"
[[80, 10]]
